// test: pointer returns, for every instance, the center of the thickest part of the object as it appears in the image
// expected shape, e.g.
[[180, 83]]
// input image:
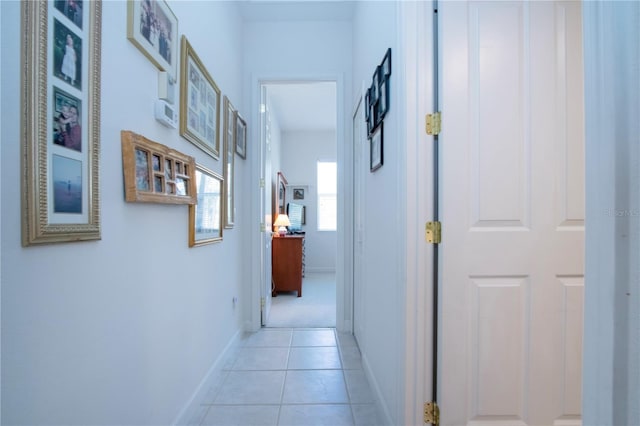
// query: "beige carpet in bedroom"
[[316, 307]]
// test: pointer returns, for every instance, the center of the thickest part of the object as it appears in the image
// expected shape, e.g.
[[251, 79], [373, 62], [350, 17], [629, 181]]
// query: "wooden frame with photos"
[[241, 136], [205, 217], [60, 123], [376, 147], [155, 173], [199, 103], [228, 161], [153, 28]]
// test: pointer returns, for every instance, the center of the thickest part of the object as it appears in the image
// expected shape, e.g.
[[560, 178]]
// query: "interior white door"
[[266, 206], [512, 212], [359, 168]]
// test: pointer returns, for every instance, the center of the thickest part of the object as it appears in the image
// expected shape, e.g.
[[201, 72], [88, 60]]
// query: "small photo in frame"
[[67, 55], [67, 127], [376, 146], [298, 193], [71, 9], [383, 102], [241, 136], [375, 86], [386, 65], [67, 186]]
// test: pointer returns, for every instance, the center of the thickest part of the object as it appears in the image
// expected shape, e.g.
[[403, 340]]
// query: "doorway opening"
[[298, 154]]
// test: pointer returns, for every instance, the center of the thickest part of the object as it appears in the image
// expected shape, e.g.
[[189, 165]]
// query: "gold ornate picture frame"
[[241, 136], [228, 161], [199, 103], [205, 218], [155, 173], [60, 122], [153, 28]]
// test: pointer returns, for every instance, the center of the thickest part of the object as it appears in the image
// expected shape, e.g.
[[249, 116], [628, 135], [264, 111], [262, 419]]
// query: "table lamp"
[[282, 221]]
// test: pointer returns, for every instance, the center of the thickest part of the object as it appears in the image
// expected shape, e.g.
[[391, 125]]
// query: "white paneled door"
[[512, 212]]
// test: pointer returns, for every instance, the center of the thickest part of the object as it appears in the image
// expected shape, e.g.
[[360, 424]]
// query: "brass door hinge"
[[433, 123], [431, 413], [433, 232], [262, 183], [263, 302], [263, 227]]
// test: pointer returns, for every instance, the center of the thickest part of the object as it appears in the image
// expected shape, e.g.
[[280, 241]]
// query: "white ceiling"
[[301, 105], [298, 10], [304, 106]]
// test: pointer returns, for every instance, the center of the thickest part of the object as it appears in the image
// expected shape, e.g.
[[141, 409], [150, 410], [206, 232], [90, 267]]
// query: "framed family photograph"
[[228, 161], [199, 103], [241, 137], [205, 218], [376, 147], [60, 121], [153, 28], [155, 173]]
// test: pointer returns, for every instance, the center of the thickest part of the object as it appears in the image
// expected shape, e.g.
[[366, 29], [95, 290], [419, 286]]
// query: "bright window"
[[327, 196]]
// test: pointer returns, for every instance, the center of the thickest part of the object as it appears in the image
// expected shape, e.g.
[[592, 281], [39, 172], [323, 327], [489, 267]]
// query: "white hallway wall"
[[382, 343], [300, 154], [122, 330]]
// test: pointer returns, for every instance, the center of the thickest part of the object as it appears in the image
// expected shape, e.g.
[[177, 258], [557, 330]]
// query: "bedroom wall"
[[300, 154], [121, 330]]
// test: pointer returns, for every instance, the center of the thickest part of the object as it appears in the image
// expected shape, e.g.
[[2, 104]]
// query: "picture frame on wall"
[[228, 162], [199, 103], [155, 173], [60, 123], [153, 29], [383, 104], [376, 149], [205, 217], [377, 97], [298, 193], [386, 65], [241, 137]]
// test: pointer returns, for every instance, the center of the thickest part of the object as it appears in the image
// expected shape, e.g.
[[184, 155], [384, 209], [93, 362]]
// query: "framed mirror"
[[281, 193]]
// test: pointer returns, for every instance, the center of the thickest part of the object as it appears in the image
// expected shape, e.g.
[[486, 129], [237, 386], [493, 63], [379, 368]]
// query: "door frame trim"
[[344, 249], [415, 29]]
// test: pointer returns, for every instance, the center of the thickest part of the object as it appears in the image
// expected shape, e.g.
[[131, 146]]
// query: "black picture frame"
[[378, 95], [383, 101], [386, 64], [376, 148]]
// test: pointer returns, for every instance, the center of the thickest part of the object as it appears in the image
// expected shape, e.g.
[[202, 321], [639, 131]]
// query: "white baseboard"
[[376, 391], [319, 270], [192, 407]]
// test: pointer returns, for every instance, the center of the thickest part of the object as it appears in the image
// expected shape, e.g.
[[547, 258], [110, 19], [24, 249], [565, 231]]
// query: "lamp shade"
[[282, 220]]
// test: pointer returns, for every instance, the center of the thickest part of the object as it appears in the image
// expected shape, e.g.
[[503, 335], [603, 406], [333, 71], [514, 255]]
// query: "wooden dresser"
[[287, 263]]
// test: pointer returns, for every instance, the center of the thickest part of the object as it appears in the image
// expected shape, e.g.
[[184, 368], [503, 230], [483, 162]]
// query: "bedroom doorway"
[[299, 137]]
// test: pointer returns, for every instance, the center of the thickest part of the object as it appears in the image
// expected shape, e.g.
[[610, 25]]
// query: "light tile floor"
[[293, 377]]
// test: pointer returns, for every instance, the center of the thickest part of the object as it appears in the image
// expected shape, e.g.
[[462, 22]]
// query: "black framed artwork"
[[377, 96], [376, 149]]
